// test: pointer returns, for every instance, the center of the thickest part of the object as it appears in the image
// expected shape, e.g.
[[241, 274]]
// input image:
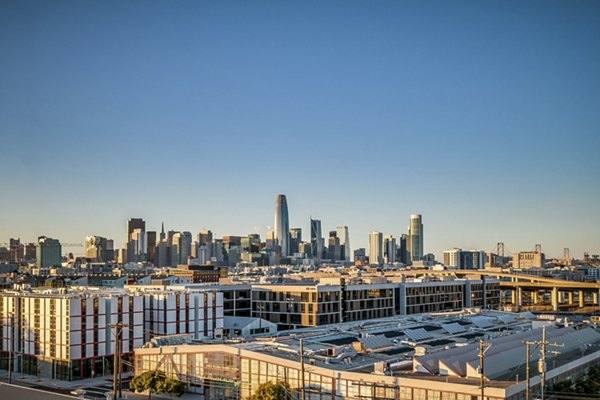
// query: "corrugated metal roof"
[[375, 342], [417, 334], [482, 322], [453, 328]]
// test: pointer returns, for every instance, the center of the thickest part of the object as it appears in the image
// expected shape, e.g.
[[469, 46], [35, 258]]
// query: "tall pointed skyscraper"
[[415, 237], [282, 225]]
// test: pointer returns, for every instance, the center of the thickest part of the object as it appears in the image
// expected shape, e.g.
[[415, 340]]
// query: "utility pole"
[[115, 362], [11, 346], [302, 368], [527, 371], [483, 346], [117, 359], [542, 362]]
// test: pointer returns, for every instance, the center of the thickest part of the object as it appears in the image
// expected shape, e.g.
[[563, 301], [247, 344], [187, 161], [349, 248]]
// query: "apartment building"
[[436, 296], [301, 304], [181, 310], [237, 297], [367, 299], [68, 335]]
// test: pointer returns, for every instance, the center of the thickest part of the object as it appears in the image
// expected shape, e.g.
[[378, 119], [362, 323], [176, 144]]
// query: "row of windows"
[[243, 376]]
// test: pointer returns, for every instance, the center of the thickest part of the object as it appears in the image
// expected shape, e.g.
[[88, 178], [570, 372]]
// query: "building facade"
[[68, 336], [197, 311], [316, 239], [464, 259], [344, 236], [232, 372], [390, 250], [528, 259], [48, 252], [376, 248], [297, 305], [362, 301]]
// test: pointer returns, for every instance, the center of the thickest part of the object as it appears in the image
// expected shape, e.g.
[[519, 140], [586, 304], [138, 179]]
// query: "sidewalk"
[[31, 380]]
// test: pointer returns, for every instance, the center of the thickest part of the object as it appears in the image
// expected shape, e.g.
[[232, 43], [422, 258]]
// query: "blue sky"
[[482, 116]]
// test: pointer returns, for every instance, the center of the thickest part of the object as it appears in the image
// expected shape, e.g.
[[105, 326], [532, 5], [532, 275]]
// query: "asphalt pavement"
[[15, 392]]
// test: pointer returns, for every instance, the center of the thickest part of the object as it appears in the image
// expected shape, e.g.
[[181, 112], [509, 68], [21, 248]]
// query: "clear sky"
[[484, 116]]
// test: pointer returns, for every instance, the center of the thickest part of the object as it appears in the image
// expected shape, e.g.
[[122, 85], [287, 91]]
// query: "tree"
[[156, 382], [271, 391], [175, 387], [563, 386]]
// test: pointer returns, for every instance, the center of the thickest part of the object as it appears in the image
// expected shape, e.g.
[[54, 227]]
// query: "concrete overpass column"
[[595, 298], [562, 297], [513, 296], [534, 297], [570, 297], [554, 298], [581, 299], [519, 296]]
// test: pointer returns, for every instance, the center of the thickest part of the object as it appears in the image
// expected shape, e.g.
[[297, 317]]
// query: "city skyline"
[[364, 242], [361, 114]]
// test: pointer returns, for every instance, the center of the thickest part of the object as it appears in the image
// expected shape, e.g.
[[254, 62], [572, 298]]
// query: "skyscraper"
[[316, 242], [136, 247], [181, 248], [150, 245], [389, 249], [133, 224], [48, 252], [342, 234], [96, 248], [204, 236], [334, 249], [403, 254], [376, 248], [136, 240], [17, 250], [295, 239], [415, 237], [282, 225]]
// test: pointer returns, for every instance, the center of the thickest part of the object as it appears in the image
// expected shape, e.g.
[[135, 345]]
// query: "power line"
[[542, 362]]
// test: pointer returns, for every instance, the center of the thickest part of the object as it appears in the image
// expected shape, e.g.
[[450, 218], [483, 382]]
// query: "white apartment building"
[[180, 310], [70, 335], [64, 335]]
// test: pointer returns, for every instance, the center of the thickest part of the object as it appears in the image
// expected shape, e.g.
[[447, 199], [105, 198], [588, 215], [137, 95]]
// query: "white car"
[[78, 392]]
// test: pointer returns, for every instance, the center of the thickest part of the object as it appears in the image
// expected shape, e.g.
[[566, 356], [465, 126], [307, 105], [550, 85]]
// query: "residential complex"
[[68, 335]]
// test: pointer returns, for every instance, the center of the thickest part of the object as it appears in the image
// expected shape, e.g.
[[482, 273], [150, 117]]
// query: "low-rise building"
[[199, 273], [180, 310], [400, 358], [68, 335], [528, 259], [301, 304]]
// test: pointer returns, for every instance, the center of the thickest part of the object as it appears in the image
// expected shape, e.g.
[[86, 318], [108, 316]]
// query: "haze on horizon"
[[481, 116]]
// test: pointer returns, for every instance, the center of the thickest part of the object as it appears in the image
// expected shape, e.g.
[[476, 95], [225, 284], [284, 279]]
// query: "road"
[[14, 392]]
